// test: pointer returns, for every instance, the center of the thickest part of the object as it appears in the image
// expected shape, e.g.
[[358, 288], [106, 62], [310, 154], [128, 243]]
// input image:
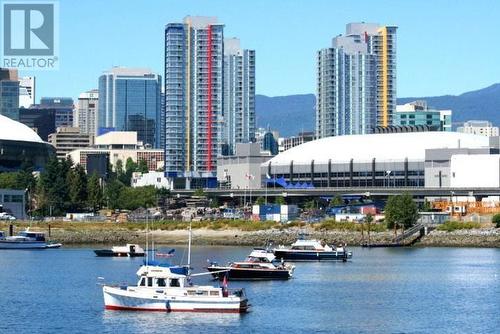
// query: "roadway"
[[366, 192]]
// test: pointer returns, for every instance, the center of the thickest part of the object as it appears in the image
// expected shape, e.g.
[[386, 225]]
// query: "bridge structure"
[[380, 192]]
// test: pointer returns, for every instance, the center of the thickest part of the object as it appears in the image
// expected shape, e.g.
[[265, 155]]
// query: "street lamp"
[[387, 178]]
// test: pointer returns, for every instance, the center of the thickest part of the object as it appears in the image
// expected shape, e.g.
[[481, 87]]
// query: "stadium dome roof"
[[12, 130], [382, 147]]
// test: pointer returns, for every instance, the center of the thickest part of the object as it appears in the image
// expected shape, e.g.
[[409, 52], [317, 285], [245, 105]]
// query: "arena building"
[[417, 159], [19, 143]]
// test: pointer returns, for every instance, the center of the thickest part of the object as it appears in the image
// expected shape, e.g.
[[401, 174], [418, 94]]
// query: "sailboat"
[[167, 288]]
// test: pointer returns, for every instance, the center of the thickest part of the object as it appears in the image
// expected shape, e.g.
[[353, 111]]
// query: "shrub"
[[496, 220], [454, 225]]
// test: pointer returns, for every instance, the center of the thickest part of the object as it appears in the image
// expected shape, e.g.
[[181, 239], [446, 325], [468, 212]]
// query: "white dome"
[[12, 130], [382, 147]]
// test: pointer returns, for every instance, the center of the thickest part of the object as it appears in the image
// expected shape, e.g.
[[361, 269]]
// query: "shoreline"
[[482, 238]]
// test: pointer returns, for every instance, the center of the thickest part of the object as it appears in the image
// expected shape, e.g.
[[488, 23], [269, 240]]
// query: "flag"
[[224, 281]]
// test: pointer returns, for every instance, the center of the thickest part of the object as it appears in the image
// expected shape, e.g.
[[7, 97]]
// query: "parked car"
[[6, 216]]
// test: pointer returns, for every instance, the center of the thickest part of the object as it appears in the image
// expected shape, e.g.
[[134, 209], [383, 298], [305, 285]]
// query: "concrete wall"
[[479, 170], [13, 201]]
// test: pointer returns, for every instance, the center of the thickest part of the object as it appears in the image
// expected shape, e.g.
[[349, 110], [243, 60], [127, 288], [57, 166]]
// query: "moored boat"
[[258, 265], [168, 288], [26, 240], [130, 250], [162, 287], [312, 250]]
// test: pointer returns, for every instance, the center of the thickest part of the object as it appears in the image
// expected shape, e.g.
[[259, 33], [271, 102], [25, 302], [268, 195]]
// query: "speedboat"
[[26, 240], [312, 250], [162, 287], [258, 265], [130, 250]]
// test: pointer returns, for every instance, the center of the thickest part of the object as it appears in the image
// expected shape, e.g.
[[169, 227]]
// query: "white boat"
[[258, 265], [169, 289], [312, 250], [130, 250], [26, 240]]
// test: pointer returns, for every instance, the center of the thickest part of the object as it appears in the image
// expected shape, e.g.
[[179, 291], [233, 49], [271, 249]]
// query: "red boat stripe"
[[211, 310]]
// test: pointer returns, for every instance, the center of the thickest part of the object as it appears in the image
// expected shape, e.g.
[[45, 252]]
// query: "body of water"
[[417, 290]]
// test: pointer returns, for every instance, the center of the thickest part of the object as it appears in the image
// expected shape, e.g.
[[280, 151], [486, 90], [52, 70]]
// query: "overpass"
[[381, 192]]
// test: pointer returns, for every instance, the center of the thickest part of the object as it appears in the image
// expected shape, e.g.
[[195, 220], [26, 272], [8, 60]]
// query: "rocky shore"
[[489, 237], [460, 238]]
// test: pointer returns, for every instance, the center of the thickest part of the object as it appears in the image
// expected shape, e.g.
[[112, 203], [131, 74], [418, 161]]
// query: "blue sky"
[[444, 47]]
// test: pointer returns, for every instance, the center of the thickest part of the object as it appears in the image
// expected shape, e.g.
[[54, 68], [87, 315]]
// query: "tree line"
[[64, 187]]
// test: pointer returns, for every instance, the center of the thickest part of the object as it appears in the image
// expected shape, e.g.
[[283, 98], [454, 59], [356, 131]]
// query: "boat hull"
[[110, 253], [311, 255], [22, 244], [116, 298], [246, 274]]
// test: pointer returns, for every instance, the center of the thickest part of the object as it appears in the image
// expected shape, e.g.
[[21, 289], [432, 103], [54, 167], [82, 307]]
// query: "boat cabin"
[[36, 236], [160, 282], [310, 245]]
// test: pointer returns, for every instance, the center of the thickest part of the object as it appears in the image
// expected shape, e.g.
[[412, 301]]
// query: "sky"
[[443, 47]]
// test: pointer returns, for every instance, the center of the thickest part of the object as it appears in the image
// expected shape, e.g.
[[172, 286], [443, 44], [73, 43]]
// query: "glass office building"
[[9, 93], [64, 109], [418, 113], [130, 100]]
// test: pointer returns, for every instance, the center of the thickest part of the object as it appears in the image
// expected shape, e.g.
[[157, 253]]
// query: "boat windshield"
[[257, 259]]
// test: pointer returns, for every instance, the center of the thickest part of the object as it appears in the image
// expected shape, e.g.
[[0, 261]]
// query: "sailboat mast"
[[189, 249], [147, 245]]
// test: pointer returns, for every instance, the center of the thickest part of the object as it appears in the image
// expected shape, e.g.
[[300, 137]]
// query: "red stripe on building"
[[209, 102]]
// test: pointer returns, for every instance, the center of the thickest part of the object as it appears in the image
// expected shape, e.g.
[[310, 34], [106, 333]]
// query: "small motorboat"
[[259, 265], [312, 250], [26, 240], [130, 250]]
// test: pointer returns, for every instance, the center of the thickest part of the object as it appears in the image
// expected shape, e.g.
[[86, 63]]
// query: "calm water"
[[429, 290]]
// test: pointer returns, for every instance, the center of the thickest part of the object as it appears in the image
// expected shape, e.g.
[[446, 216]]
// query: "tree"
[[199, 192], [369, 220], [337, 200], [142, 167], [260, 201], [140, 197], [112, 193], [311, 205], [496, 220], [427, 206], [280, 200], [77, 183], [401, 210], [52, 193], [94, 192], [130, 168], [8, 180]]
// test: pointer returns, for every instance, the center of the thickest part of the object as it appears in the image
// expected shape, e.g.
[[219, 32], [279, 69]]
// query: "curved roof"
[[382, 147], [12, 130]]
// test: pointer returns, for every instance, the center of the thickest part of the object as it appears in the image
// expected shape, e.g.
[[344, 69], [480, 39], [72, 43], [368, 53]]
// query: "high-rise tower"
[[130, 100], [239, 94], [356, 87], [193, 94]]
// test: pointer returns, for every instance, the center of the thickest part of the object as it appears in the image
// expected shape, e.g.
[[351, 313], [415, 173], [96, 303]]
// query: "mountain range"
[[292, 114]]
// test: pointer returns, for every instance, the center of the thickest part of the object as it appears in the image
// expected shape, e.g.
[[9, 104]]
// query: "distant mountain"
[[294, 113], [288, 114], [482, 104]]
